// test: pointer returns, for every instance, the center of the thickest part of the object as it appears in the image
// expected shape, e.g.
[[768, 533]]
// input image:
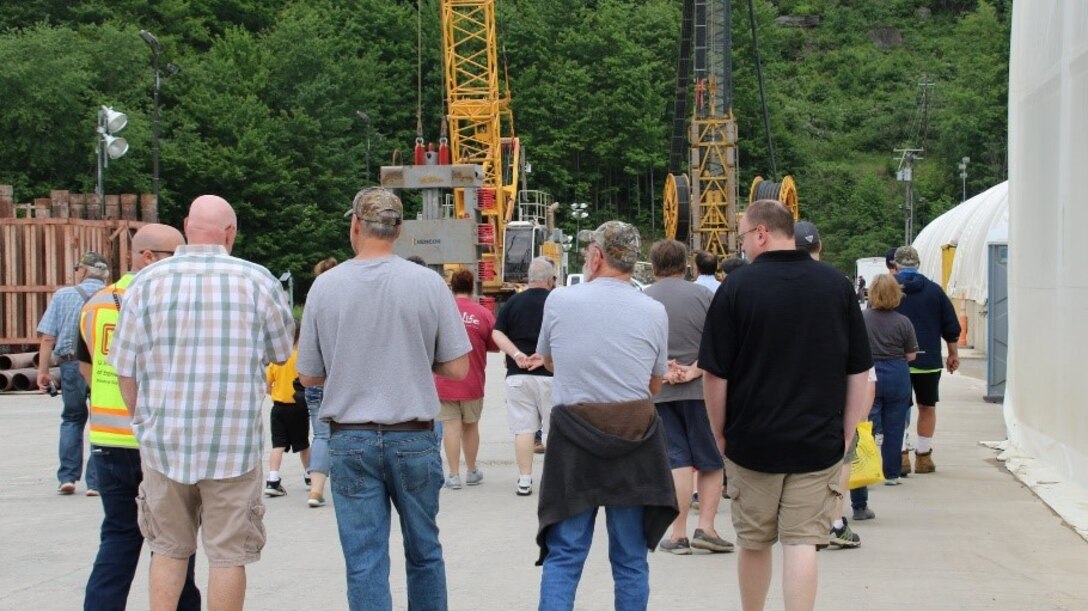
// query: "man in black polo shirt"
[[786, 359], [528, 383]]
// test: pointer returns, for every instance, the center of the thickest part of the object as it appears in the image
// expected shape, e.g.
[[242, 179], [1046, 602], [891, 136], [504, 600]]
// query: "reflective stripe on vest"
[[111, 425]]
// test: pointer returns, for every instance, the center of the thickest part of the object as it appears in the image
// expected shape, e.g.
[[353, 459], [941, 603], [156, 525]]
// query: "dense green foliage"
[[263, 111]]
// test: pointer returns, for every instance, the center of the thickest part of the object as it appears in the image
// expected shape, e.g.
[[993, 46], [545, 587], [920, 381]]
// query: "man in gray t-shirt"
[[607, 344], [680, 403], [373, 331]]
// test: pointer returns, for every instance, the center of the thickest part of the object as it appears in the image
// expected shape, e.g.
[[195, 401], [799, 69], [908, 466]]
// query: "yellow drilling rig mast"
[[481, 124], [700, 206]]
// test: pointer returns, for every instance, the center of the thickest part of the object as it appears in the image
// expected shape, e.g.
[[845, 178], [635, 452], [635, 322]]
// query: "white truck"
[[868, 268]]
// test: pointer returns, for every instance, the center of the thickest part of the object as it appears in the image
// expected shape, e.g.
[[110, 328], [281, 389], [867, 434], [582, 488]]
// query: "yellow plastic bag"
[[867, 468]]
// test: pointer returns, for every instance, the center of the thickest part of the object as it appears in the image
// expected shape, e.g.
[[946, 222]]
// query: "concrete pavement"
[[966, 537]]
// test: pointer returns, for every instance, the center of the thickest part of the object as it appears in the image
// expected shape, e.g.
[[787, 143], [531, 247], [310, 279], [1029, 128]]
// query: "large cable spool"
[[785, 192], [677, 207]]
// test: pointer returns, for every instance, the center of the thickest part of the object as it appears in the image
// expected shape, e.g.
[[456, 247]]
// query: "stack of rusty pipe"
[[19, 372]]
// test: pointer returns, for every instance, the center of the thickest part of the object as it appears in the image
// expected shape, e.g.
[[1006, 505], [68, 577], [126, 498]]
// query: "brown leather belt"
[[410, 425]]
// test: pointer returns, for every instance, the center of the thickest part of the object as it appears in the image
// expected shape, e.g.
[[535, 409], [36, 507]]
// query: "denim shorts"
[[690, 440]]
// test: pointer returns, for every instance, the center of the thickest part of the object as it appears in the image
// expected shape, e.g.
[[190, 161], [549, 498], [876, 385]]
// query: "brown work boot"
[[923, 463], [904, 470]]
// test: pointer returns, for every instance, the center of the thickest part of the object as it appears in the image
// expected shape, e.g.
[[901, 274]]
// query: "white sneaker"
[[525, 486], [453, 482]]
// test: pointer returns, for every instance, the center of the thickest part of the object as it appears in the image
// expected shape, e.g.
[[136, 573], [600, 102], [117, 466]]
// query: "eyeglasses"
[[740, 236]]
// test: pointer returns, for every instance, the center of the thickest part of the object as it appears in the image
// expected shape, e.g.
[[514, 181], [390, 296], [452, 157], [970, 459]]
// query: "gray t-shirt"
[[891, 335], [606, 339], [686, 304], [373, 328]]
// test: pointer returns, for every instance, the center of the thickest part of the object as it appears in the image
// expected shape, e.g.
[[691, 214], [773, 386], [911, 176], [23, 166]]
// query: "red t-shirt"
[[479, 322]]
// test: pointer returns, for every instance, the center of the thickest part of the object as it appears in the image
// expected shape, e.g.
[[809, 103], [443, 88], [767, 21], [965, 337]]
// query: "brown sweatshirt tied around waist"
[[627, 420]]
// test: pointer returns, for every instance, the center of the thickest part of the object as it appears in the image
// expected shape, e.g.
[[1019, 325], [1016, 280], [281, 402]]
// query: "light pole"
[[171, 70], [108, 146], [963, 176], [366, 120], [287, 279], [578, 213]]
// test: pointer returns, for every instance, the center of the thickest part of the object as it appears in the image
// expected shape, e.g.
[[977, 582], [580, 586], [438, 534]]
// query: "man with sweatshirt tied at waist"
[[607, 344]]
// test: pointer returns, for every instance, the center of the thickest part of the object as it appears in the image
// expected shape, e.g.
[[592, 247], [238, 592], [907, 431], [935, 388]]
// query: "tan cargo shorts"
[[467, 411], [793, 508], [228, 512]]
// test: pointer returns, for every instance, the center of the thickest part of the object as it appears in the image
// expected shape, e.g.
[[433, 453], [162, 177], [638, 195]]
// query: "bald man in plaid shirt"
[[194, 336]]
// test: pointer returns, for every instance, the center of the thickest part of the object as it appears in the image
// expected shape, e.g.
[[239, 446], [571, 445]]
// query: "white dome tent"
[[1048, 281], [965, 227]]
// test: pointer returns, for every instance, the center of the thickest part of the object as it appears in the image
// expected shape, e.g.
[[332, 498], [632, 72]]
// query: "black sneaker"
[[844, 538], [306, 478], [274, 488]]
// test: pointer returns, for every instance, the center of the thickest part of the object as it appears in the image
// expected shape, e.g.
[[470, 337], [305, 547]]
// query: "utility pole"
[[905, 173], [908, 156]]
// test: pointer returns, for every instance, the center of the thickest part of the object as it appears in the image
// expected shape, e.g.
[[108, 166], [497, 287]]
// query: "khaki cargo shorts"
[[467, 411], [794, 508], [228, 512]]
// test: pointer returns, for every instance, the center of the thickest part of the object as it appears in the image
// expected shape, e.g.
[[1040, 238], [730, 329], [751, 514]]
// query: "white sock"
[[273, 476], [924, 445], [838, 524], [525, 479]]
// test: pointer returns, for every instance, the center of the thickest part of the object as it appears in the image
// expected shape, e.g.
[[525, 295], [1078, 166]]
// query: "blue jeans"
[[319, 449], [368, 470], [568, 545], [890, 411], [119, 477], [73, 419]]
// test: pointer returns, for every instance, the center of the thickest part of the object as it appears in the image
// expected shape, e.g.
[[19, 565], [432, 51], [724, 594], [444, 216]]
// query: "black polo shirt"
[[785, 332], [520, 319]]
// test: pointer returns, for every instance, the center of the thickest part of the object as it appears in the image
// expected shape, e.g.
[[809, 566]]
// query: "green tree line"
[[264, 108]]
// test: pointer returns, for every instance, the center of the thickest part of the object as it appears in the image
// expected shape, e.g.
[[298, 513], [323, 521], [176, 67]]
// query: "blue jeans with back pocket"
[[368, 471]]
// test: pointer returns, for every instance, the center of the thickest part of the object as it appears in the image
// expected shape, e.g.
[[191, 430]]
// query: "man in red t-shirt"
[[463, 401]]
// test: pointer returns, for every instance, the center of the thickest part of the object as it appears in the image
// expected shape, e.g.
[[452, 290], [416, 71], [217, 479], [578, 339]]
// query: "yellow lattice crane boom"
[[481, 126]]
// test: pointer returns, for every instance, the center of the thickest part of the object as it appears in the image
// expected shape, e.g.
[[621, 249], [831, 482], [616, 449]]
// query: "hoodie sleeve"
[[950, 322]]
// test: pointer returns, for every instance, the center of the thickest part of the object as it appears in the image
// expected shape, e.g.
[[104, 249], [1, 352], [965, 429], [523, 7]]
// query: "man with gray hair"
[[607, 344], [374, 330], [60, 331], [528, 383]]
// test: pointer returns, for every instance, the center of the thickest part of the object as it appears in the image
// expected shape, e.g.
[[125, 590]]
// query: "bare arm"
[[857, 395], [953, 360], [455, 370], [714, 396], [655, 385], [85, 371], [507, 347], [45, 358], [549, 364], [308, 381], [128, 393], [910, 356]]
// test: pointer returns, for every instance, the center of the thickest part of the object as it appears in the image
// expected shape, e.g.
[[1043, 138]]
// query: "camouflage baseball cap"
[[620, 241], [906, 256], [93, 259], [377, 205]]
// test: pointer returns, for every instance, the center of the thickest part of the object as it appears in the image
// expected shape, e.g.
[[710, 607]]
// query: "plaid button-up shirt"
[[196, 331], [61, 318]]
